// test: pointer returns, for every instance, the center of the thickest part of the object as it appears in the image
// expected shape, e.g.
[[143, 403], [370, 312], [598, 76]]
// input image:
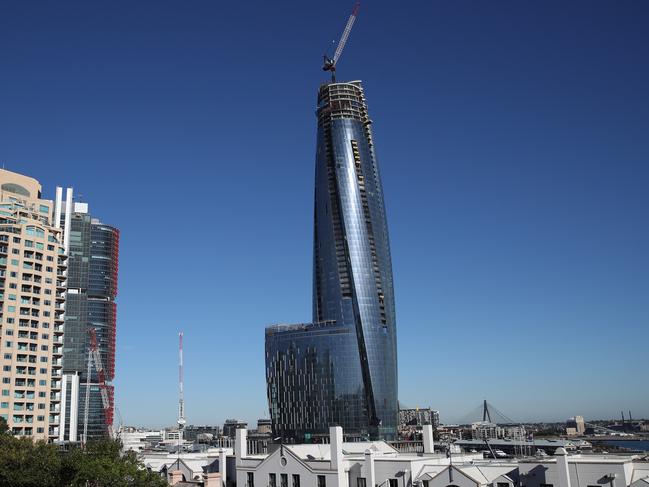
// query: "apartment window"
[[4, 405], [272, 480], [40, 418], [283, 480], [7, 356], [41, 406], [322, 481], [40, 430], [14, 262], [361, 482], [6, 368], [296, 480], [394, 483], [5, 392], [251, 479]]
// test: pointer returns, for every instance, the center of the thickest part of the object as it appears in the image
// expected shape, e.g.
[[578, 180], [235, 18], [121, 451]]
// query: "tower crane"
[[95, 359], [330, 63]]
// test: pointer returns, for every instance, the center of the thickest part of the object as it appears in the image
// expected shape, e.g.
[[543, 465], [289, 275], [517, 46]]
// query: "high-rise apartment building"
[[32, 297], [92, 289], [342, 368]]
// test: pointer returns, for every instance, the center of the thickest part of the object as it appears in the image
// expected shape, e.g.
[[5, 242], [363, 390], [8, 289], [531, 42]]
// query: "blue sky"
[[513, 139]]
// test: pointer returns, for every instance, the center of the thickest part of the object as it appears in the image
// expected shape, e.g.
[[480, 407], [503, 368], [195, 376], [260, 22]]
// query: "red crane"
[[95, 359], [330, 63]]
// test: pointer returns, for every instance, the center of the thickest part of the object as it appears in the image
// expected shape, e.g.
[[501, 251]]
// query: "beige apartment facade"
[[32, 304]]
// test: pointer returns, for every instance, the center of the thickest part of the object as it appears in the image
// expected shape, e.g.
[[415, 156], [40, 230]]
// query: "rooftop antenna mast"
[[330, 63], [181, 398]]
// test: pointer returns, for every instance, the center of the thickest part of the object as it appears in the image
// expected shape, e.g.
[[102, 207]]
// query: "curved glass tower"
[[342, 369]]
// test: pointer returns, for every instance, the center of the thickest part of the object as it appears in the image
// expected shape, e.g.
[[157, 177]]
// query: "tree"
[[25, 463], [101, 464]]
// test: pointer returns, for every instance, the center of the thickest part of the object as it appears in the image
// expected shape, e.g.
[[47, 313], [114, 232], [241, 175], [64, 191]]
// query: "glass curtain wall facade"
[[342, 369], [92, 289]]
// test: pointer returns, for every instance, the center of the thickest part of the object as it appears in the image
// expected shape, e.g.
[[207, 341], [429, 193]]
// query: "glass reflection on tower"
[[342, 368]]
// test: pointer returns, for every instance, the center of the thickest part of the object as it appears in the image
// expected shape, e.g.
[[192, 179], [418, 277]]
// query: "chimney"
[[176, 477], [241, 444], [563, 474], [429, 443], [213, 479], [223, 469], [336, 440], [370, 473]]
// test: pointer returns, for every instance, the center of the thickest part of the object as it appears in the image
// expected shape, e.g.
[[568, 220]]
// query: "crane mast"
[[330, 63]]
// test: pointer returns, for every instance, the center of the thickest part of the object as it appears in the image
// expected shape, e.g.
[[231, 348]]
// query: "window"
[[503, 484], [272, 480], [361, 482], [283, 480], [4, 405], [394, 483], [322, 481], [296, 480], [426, 483], [251, 479]]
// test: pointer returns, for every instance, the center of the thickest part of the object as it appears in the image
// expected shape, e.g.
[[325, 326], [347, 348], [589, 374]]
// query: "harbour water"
[[638, 445]]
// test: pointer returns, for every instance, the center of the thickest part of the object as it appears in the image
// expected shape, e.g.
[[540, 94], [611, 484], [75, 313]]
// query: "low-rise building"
[[564, 470], [341, 464]]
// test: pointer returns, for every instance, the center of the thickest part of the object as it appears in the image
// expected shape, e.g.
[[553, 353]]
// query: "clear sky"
[[513, 139]]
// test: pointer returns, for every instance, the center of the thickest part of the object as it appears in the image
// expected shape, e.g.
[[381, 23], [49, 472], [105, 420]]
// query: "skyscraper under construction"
[[342, 368]]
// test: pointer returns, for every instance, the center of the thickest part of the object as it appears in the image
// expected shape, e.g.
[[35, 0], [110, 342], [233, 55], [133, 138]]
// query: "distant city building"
[[575, 426], [418, 417], [201, 433], [92, 289], [485, 430], [33, 265], [342, 368], [231, 426], [264, 426]]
